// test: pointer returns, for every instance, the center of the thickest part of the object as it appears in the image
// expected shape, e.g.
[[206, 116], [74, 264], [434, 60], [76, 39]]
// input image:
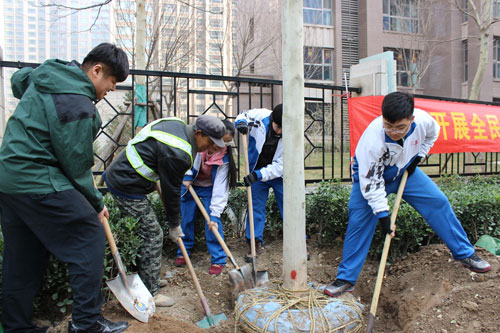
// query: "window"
[[217, 35], [465, 8], [215, 71], [400, 16], [465, 47], [496, 8], [318, 64], [406, 67], [216, 23], [318, 12], [215, 10], [496, 57]]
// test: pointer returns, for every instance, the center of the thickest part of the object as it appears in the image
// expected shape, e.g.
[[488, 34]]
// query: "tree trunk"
[[484, 23], [140, 39], [294, 236]]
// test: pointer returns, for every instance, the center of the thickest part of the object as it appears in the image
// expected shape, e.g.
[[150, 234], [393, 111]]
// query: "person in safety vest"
[[265, 155], [212, 176], [48, 201], [164, 151], [395, 142]]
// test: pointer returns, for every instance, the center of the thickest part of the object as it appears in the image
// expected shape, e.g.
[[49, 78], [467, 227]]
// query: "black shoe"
[[338, 287], [101, 326]]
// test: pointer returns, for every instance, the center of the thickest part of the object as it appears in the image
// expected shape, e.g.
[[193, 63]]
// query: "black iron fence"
[[186, 95]]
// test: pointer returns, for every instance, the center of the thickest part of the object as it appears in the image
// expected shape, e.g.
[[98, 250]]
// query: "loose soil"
[[423, 292]]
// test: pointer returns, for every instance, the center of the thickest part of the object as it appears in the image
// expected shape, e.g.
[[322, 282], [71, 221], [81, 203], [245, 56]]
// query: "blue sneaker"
[[475, 264]]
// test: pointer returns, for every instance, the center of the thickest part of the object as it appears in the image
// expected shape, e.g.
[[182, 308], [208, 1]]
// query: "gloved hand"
[[175, 233], [250, 178], [413, 165], [385, 223], [242, 127]]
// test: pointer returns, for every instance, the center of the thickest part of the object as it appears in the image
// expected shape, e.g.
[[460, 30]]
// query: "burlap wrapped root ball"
[[274, 309]]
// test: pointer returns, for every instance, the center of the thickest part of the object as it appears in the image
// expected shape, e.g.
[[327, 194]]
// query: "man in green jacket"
[[48, 202]]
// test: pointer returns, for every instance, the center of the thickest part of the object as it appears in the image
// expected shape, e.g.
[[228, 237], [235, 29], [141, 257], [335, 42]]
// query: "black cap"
[[277, 114], [213, 127]]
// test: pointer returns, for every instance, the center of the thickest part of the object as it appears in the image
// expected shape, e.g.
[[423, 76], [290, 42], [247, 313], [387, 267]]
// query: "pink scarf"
[[215, 158]]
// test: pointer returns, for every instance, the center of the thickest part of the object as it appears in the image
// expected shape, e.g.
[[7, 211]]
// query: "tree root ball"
[[272, 308]]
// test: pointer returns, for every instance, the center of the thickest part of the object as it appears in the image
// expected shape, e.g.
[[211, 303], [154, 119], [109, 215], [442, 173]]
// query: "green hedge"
[[476, 202]]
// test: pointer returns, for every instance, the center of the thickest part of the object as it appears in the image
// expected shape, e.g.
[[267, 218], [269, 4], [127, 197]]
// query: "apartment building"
[[435, 43], [32, 31]]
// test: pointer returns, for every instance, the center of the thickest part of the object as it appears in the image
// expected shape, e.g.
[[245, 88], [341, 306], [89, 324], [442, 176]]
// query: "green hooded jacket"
[[48, 143]]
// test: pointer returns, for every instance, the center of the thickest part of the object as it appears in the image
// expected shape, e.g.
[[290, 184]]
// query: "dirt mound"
[[424, 292]]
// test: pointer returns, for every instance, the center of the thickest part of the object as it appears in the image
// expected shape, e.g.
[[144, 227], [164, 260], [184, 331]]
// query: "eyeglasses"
[[398, 130]]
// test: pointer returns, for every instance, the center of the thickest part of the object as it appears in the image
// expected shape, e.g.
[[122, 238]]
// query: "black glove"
[[385, 223], [413, 165], [250, 178], [242, 127]]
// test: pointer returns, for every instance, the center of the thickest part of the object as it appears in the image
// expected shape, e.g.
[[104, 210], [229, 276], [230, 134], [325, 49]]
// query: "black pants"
[[67, 226]]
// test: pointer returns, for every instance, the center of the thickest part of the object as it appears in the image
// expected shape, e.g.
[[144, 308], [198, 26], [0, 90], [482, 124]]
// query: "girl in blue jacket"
[[212, 176]]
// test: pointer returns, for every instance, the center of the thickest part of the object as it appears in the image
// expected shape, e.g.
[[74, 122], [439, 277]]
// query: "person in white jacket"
[[395, 142], [212, 176], [265, 155]]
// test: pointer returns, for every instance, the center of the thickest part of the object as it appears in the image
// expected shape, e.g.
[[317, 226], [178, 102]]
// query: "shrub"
[[475, 200], [327, 213]]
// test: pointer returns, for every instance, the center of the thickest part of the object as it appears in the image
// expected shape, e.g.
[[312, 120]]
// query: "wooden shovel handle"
[[385, 252], [109, 235], [203, 300], [250, 202], [214, 230]]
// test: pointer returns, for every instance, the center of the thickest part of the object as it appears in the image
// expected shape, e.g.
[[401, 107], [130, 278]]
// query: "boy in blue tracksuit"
[[212, 176], [395, 142], [265, 154]]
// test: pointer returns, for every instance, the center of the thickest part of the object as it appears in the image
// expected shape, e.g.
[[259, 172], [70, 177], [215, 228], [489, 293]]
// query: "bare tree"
[[247, 43], [480, 13], [420, 39], [167, 41], [70, 10]]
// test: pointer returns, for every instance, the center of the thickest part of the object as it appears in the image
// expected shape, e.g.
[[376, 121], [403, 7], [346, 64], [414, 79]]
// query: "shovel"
[[262, 275], [129, 288], [209, 320], [241, 277], [385, 252]]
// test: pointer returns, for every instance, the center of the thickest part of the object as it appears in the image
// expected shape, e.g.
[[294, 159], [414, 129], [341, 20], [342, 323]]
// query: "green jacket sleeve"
[[72, 138]]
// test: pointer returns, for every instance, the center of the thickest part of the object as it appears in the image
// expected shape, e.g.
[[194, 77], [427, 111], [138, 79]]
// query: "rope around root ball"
[[308, 304]]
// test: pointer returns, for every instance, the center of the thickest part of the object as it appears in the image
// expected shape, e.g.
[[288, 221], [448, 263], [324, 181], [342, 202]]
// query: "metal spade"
[[240, 277], [129, 288]]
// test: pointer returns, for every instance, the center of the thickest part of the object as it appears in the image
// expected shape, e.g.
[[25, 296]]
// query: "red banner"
[[465, 127]]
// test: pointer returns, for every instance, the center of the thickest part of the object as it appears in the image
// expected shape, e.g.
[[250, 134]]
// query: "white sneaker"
[[163, 301]]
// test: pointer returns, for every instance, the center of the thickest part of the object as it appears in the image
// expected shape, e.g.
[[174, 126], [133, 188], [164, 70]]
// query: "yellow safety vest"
[[147, 132]]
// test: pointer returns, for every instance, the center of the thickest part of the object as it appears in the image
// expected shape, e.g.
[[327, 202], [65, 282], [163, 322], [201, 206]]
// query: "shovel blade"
[[139, 302], [208, 322], [261, 278], [242, 279]]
